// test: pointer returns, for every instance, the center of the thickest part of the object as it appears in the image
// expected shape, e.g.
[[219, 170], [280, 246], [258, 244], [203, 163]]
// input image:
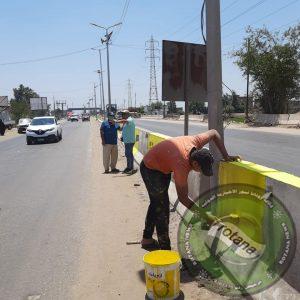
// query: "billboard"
[[38, 103], [184, 72]]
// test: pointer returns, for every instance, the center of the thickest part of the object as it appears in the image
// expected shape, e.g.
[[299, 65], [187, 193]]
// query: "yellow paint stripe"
[[237, 173], [271, 173]]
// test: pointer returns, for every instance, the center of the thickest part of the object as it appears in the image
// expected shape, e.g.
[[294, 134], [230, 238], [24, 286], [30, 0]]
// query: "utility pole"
[[129, 94], [53, 106], [100, 73], [95, 86], [151, 46], [214, 77], [101, 86], [248, 69], [135, 101], [62, 103], [106, 41]]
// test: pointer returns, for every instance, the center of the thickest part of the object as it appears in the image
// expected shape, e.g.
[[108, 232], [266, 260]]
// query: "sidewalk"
[[110, 269]]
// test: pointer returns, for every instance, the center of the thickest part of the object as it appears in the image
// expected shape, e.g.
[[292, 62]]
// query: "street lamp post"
[[106, 41], [101, 86], [100, 73], [95, 86]]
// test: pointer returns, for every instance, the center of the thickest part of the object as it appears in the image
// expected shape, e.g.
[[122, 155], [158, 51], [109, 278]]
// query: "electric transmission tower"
[[152, 50], [129, 94]]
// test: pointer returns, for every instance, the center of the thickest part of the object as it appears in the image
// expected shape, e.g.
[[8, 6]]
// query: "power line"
[[233, 19], [295, 21], [45, 58], [230, 5], [128, 46], [122, 19], [264, 17], [286, 24], [244, 12], [184, 25]]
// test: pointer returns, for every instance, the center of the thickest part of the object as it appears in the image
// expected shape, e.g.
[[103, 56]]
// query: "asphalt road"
[[42, 202], [274, 150]]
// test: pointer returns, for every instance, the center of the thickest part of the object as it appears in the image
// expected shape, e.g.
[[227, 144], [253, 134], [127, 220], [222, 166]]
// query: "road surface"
[[42, 200], [64, 224], [275, 150]]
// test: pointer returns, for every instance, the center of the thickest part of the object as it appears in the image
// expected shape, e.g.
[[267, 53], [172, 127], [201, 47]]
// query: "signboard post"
[[184, 74]]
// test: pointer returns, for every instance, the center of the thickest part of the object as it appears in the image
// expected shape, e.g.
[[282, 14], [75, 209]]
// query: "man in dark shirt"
[[109, 135]]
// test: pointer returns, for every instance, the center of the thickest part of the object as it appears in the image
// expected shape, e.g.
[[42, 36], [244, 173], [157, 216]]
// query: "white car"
[[74, 118], [42, 129], [23, 124]]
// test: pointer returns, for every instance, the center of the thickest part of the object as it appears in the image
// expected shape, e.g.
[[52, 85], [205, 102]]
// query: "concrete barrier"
[[284, 186], [280, 119]]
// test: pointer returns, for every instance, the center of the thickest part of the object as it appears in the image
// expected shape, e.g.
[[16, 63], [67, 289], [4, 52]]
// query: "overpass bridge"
[[91, 109]]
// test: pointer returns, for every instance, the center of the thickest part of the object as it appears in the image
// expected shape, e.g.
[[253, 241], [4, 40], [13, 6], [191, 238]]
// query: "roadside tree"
[[272, 61]]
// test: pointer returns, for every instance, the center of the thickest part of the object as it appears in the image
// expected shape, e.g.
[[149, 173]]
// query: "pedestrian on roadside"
[[128, 138], [179, 156], [109, 135], [2, 127]]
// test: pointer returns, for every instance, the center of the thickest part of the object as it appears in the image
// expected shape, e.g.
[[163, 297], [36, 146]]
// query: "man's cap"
[[110, 115], [125, 111], [205, 160]]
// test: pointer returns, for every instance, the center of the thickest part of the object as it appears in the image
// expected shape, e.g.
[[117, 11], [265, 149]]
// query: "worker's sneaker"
[[131, 172], [106, 172], [125, 170], [115, 170]]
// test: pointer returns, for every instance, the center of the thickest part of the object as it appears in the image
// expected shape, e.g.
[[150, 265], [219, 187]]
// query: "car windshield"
[[43, 121]]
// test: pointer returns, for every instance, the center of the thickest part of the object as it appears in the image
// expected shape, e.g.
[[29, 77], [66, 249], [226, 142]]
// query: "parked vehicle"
[[23, 124], [43, 129], [85, 117], [74, 118], [6, 118]]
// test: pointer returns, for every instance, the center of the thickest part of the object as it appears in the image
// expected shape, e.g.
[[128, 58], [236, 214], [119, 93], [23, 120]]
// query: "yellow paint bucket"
[[162, 273]]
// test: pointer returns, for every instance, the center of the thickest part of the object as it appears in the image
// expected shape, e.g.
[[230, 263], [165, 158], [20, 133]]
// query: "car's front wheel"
[[28, 141], [57, 138]]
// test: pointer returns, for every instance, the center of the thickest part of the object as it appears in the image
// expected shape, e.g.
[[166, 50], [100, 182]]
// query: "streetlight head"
[[97, 25], [120, 23]]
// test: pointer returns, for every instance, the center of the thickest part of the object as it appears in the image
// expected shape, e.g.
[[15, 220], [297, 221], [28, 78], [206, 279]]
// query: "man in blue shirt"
[[128, 136], [109, 135]]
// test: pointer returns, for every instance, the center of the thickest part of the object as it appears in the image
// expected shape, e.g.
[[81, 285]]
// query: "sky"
[[32, 30]]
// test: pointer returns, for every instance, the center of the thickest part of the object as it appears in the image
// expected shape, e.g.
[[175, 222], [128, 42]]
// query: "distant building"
[[4, 104], [5, 113]]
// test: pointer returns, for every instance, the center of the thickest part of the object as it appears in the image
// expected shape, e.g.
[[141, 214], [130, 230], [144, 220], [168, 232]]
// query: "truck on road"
[[5, 114]]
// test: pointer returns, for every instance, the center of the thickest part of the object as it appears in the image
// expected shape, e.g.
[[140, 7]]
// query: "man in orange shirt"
[[179, 156]]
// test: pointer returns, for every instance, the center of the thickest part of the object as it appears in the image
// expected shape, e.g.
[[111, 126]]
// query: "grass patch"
[[240, 119]]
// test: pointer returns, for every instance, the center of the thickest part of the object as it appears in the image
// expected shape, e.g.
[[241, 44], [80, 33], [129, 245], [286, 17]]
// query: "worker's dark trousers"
[[157, 184]]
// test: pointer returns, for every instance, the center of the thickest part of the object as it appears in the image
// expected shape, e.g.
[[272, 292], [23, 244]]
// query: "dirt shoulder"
[[9, 134], [110, 269]]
